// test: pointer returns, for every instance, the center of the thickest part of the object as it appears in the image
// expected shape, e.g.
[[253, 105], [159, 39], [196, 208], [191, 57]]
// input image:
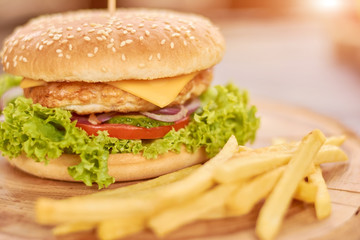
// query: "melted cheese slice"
[[160, 92], [28, 83]]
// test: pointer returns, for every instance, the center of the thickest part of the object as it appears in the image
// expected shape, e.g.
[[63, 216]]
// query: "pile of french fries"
[[229, 184]]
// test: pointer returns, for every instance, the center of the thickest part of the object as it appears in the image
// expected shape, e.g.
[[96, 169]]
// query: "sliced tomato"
[[124, 131]]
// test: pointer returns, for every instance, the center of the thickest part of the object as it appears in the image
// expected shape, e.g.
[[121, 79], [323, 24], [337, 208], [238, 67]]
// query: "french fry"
[[335, 140], [322, 200], [244, 198], [182, 214], [306, 192], [72, 227], [273, 211], [330, 153], [247, 167], [146, 185], [120, 227]]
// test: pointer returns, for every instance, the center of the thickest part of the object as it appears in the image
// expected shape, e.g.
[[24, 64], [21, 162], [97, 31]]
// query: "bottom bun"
[[123, 167]]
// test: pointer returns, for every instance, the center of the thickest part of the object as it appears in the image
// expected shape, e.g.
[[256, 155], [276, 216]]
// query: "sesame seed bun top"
[[94, 46]]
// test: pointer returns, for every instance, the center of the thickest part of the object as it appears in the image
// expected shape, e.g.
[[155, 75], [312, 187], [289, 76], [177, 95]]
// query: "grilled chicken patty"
[[86, 98]]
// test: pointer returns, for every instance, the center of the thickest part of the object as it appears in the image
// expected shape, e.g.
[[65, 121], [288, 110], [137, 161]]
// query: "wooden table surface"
[[291, 60]]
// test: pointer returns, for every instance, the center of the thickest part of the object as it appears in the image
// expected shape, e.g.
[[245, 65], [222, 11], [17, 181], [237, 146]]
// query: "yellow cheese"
[[28, 83], [160, 92]]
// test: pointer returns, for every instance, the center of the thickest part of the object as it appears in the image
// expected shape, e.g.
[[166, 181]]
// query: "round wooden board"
[[19, 191]]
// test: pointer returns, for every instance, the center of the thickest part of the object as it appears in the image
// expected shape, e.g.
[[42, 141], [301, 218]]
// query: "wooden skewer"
[[111, 6]]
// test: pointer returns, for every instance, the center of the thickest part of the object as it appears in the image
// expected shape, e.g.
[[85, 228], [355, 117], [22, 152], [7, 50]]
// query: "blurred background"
[[301, 52]]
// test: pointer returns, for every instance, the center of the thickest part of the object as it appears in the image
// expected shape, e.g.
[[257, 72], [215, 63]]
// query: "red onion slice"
[[167, 118], [193, 105], [169, 110], [9, 95], [106, 116], [80, 118]]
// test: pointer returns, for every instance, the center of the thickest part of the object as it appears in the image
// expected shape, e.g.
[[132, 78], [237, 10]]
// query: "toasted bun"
[[123, 167], [93, 46]]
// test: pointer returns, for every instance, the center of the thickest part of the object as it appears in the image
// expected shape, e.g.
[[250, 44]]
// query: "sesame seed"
[[99, 38], [20, 58], [141, 38], [158, 55], [15, 63], [22, 47], [51, 34], [147, 33], [24, 59], [69, 28], [58, 50], [60, 55], [90, 54], [133, 31], [78, 29], [112, 40], [125, 31], [163, 42], [113, 49], [7, 65], [86, 38], [129, 25], [192, 37], [104, 69], [141, 25], [141, 65], [36, 46], [85, 24], [128, 41], [63, 41], [150, 57], [5, 58], [177, 29], [70, 36], [103, 37], [154, 26], [123, 57], [175, 35], [57, 36], [110, 45], [70, 47], [96, 49], [123, 43], [41, 47], [185, 42], [172, 45], [67, 56], [167, 27], [49, 42], [91, 30]]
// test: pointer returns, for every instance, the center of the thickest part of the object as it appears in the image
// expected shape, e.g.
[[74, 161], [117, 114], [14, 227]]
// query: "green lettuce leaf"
[[8, 81], [45, 133]]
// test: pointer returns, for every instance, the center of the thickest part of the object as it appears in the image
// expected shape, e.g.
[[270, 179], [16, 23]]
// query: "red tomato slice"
[[124, 131]]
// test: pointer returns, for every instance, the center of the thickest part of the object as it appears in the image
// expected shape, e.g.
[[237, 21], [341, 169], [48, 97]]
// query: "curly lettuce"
[[45, 133]]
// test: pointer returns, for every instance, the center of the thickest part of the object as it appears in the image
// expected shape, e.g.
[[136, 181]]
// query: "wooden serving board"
[[18, 191]]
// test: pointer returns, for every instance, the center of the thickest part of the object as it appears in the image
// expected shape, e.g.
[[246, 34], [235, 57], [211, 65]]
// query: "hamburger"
[[118, 97]]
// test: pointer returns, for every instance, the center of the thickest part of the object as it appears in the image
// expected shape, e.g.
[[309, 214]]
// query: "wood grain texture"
[[18, 191]]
